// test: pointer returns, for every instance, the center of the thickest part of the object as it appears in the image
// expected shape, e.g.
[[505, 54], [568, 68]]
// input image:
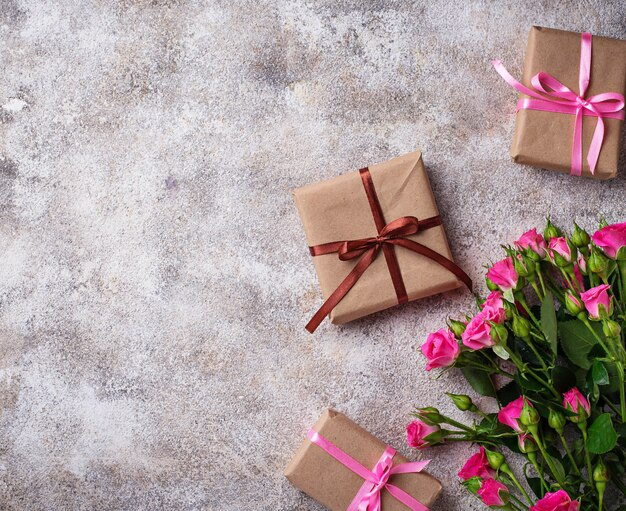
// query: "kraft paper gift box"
[[314, 471], [544, 138], [338, 209]]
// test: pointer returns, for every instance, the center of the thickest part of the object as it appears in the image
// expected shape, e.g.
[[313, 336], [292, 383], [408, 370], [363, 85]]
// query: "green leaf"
[[577, 341], [599, 374], [510, 392], [501, 352], [508, 296], [548, 321], [602, 435], [528, 383], [489, 425], [558, 467], [613, 386], [472, 484], [480, 381], [535, 486], [563, 378]]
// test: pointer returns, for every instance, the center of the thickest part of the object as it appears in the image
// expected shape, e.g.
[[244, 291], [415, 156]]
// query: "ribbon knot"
[[381, 473], [368, 498], [550, 95], [399, 228]]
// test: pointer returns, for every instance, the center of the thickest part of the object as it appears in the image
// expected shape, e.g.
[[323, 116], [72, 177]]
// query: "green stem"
[[543, 287], [533, 459], [530, 314], [622, 394], [601, 501], [569, 454], [534, 350], [507, 470], [611, 405], [621, 265], [452, 422], [534, 431], [598, 338], [573, 283], [521, 365], [583, 428], [534, 285], [518, 502]]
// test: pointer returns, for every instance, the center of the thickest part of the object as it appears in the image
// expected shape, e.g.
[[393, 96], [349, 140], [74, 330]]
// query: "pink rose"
[[492, 492], [596, 297], [503, 275], [511, 413], [611, 238], [557, 501], [560, 246], [477, 334], [416, 434], [477, 466], [574, 401], [441, 349], [493, 308], [533, 241]]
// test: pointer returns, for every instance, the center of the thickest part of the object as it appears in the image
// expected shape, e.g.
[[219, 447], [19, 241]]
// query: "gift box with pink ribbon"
[[570, 115], [344, 467]]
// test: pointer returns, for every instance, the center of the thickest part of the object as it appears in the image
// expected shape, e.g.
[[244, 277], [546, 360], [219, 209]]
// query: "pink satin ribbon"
[[550, 95], [368, 496]]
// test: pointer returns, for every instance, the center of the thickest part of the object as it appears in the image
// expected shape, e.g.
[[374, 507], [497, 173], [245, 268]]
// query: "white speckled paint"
[[154, 279]]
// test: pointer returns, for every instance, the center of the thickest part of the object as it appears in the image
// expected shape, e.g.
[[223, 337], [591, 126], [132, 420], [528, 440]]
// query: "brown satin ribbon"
[[389, 235]]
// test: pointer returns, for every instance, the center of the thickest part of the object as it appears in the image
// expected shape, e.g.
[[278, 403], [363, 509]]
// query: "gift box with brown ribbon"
[[570, 114], [344, 467], [376, 239]]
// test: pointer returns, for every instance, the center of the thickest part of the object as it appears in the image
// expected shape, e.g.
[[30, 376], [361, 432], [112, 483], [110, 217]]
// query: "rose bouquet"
[[547, 345]]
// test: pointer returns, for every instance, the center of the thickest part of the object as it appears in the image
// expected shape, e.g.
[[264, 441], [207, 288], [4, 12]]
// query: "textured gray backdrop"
[[154, 276]]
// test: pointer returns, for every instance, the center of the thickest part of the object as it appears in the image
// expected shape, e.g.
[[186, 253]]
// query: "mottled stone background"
[[154, 277]]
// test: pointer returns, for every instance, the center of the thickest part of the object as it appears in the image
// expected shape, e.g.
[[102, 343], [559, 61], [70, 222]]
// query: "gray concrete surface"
[[155, 280]]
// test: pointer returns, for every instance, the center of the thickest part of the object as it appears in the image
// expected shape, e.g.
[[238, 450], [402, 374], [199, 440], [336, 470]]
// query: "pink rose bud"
[[503, 275], [611, 238], [531, 240], [573, 304], [597, 301], [557, 501], [477, 466], [493, 493], [561, 247], [579, 277], [510, 414], [416, 434], [582, 263], [441, 349], [477, 334], [527, 443], [575, 402], [493, 308]]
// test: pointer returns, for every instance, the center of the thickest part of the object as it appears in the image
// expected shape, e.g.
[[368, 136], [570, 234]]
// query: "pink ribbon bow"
[[377, 479], [550, 95]]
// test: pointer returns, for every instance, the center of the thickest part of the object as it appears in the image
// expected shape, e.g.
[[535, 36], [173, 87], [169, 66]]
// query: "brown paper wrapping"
[[338, 210], [321, 476], [544, 139]]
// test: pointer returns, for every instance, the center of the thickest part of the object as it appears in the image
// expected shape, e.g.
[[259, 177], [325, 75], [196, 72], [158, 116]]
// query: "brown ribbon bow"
[[389, 236]]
